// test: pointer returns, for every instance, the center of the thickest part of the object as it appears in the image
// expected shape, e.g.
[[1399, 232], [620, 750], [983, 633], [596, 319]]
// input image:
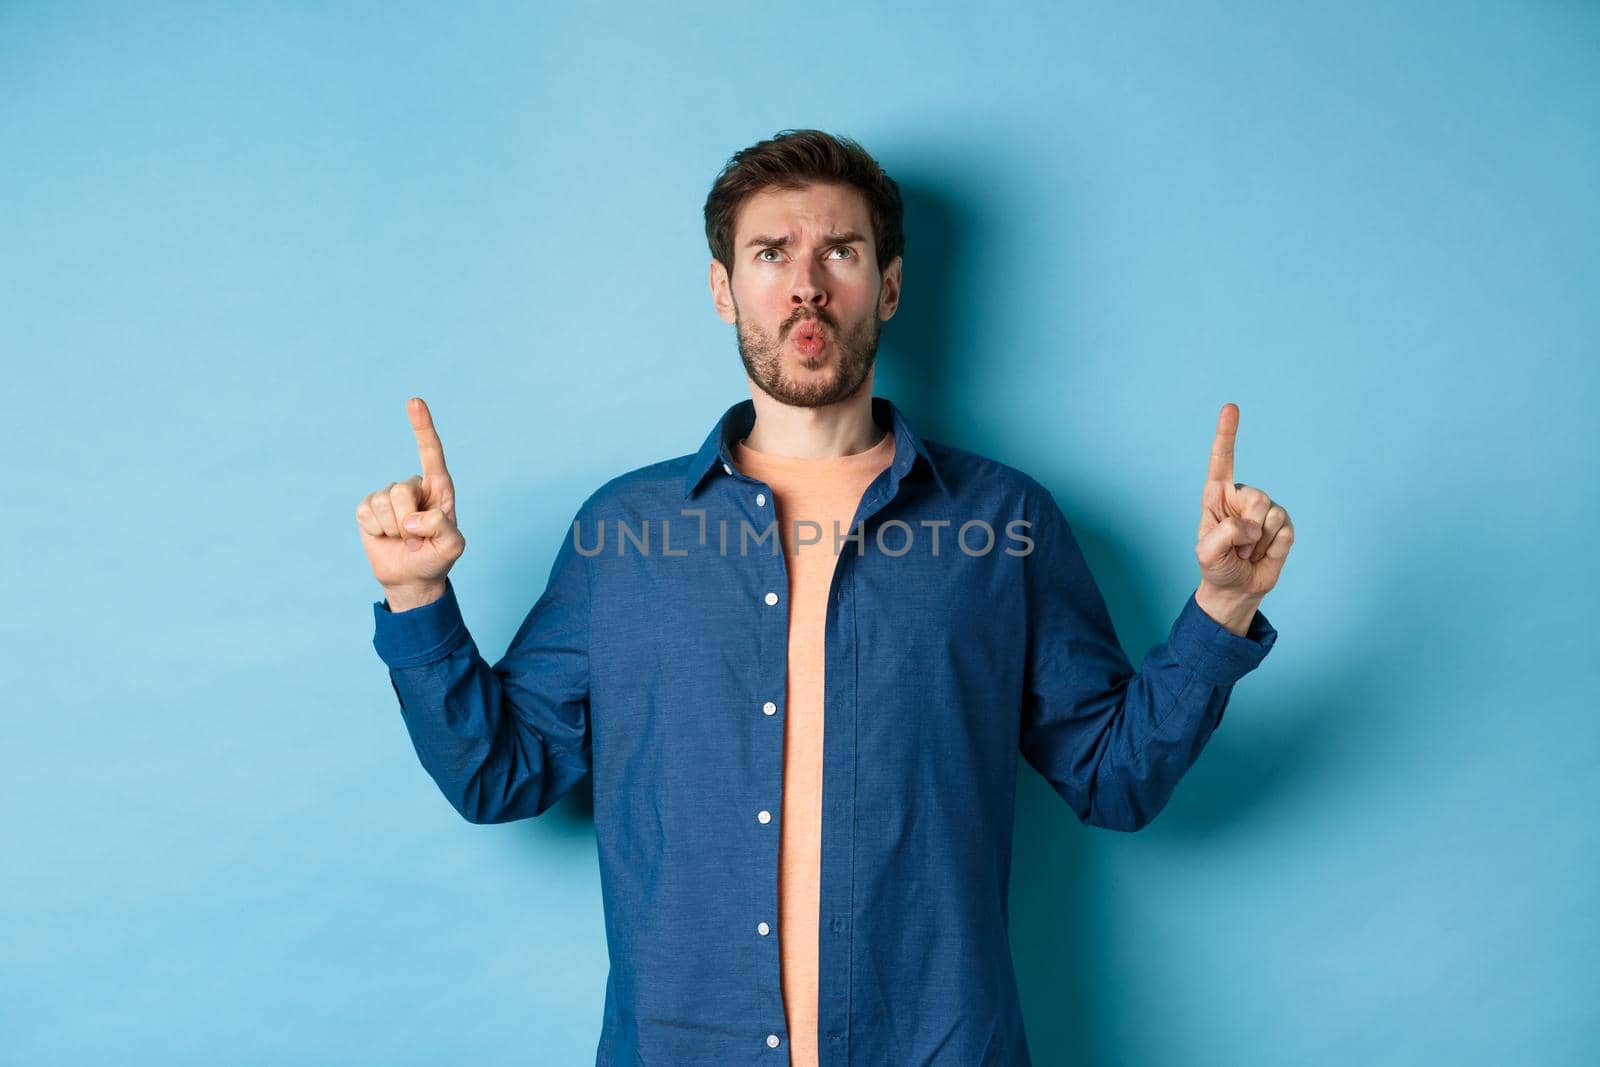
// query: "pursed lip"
[[811, 325]]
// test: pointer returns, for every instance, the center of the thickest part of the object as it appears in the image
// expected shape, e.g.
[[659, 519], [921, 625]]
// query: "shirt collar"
[[739, 419]]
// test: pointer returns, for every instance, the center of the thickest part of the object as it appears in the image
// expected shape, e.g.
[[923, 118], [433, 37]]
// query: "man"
[[804, 760]]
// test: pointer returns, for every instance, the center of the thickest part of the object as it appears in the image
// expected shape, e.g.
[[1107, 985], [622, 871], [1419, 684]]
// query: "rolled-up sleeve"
[[503, 742], [1112, 742]]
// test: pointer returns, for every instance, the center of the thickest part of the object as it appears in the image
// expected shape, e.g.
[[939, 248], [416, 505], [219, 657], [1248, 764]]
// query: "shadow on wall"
[[1271, 749]]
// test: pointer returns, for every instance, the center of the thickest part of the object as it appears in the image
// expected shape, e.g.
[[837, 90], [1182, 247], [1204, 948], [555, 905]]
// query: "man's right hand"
[[409, 528]]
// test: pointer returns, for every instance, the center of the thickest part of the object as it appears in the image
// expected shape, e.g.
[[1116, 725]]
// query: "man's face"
[[806, 295]]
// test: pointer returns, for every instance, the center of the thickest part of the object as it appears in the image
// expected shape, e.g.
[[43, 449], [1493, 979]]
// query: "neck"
[[841, 429]]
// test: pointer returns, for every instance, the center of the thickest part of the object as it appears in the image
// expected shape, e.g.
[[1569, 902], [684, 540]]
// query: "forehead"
[[818, 208]]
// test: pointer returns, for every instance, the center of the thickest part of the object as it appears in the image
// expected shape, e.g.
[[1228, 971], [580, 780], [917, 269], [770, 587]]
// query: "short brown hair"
[[793, 159]]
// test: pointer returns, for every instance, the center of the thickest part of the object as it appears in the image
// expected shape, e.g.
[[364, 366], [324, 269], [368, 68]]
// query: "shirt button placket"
[[770, 598]]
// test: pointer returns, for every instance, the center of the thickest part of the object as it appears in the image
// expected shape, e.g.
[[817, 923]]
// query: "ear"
[[889, 291], [721, 292]]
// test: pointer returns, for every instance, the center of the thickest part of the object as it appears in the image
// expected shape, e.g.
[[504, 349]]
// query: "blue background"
[[234, 239]]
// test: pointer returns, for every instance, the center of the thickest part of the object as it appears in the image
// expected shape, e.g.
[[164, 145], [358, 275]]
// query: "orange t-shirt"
[[825, 491]]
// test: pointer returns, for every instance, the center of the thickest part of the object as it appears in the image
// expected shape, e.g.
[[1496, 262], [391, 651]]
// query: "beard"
[[847, 357]]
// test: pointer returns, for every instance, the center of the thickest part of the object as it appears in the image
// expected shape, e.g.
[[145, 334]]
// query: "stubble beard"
[[851, 357]]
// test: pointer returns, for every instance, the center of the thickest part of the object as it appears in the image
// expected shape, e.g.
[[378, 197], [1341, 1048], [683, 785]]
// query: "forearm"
[[1111, 741], [488, 760], [1170, 708], [500, 745]]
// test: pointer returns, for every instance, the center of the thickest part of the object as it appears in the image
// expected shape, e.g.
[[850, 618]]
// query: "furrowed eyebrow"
[[766, 241]]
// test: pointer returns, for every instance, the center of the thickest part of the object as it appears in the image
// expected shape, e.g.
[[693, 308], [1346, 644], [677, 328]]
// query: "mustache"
[[817, 317]]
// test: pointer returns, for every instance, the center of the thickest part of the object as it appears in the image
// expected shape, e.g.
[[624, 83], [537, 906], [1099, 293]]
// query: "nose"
[[807, 288]]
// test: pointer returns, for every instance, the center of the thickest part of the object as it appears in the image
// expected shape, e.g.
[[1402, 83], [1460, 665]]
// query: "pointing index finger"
[[428, 446], [1221, 469]]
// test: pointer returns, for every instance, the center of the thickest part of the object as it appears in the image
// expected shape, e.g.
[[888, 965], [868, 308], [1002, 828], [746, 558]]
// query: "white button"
[[764, 928], [761, 500], [763, 816], [727, 469], [772, 598], [772, 1040], [769, 707]]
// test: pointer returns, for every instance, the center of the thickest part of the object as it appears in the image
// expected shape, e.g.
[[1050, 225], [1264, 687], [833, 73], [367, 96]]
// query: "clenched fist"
[[409, 528]]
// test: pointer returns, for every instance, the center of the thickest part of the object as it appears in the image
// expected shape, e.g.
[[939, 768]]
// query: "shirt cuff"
[[418, 635], [1212, 651]]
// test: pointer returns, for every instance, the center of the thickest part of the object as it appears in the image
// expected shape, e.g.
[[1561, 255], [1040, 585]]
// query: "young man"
[[804, 753]]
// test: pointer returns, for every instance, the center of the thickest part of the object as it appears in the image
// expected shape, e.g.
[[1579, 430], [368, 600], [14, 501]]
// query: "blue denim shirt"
[[655, 661]]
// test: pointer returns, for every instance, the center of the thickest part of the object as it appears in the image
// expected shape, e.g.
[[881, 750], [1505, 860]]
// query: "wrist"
[[1232, 611], [406, 597]]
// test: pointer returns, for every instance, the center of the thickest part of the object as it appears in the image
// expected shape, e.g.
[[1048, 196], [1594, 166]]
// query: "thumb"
[[1228, 534], [431, 524]]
